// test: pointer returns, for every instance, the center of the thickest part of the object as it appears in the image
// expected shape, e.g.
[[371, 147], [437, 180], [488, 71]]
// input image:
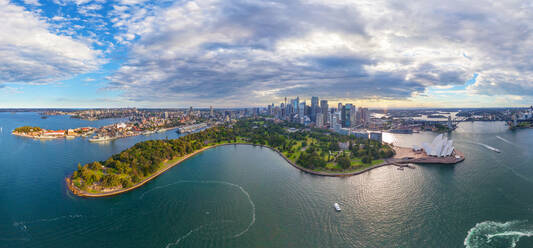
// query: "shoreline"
[[391, 161], [76, 191], [35, 137]]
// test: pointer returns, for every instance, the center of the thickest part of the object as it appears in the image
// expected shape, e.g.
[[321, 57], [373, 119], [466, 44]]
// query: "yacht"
[[337, 207]]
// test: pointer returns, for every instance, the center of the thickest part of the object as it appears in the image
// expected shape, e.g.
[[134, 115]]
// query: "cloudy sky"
[[234, 53]]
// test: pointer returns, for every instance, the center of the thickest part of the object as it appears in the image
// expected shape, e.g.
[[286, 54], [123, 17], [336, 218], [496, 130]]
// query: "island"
[[40, 133], [316, 151]]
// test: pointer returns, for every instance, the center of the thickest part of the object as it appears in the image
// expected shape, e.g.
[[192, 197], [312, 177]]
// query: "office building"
[[324, 110], [314, 108], [346, 115], [319, 120]]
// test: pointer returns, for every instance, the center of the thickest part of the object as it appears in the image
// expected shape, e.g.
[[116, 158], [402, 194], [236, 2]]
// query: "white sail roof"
[[439, 147]]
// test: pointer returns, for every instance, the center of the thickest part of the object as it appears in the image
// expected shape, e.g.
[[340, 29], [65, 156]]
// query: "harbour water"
[[245, 196]]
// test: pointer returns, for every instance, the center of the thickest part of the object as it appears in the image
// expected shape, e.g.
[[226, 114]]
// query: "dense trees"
[[27, 129], [312, 149]]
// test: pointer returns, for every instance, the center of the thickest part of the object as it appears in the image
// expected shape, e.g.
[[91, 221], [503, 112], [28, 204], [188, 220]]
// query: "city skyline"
[[94, 53]]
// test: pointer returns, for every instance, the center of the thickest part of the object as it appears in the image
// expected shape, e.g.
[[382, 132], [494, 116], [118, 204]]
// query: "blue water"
[[245, 196]]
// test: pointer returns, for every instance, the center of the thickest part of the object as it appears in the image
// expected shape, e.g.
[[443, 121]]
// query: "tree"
[[366, 159], [344, 162]]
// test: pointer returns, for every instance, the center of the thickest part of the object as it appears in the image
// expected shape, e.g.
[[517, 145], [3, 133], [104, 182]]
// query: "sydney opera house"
[[440, 147]]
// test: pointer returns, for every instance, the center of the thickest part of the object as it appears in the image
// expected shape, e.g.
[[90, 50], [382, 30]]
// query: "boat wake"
[[23, 225], [490, 147], [209, 182], [505, 140], [183, 237], [497, 234]]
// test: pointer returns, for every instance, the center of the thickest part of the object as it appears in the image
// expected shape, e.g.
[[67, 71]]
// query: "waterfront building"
[[360, 134], [54, 133], [440, 147], [343, 131], [377, 136]]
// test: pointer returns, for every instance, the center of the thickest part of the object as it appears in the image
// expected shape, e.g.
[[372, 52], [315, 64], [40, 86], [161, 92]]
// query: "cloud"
[[32, 2], [254, 51], [31, 53]]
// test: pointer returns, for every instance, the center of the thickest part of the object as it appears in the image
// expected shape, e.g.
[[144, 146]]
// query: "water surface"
[[246, 196]]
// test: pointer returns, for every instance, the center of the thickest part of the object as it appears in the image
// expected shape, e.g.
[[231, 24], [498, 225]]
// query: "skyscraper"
[[324, 107], [319, 120], [301, 112], [295, 103], [346, 115], [363, 116], [314, 108], [211, 111]]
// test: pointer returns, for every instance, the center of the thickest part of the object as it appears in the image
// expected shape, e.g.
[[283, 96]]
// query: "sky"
[[245, 53]]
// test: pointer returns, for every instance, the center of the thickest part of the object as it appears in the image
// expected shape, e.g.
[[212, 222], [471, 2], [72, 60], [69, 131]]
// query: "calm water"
[[244, 196]]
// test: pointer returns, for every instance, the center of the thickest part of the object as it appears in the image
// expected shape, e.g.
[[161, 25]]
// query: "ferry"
[[101, 138], [148, 132], [337, 207]]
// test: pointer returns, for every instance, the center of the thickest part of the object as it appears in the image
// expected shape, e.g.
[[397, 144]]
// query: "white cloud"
[[32, 53], [32, 2], [200, 49]]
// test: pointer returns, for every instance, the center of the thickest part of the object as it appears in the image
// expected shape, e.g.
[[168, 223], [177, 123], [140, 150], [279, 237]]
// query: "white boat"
[[148, 132], [490, 148], [337, 207], [101, 139]]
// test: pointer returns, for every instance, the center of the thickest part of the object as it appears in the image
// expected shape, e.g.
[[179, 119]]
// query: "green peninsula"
[[312, 150]]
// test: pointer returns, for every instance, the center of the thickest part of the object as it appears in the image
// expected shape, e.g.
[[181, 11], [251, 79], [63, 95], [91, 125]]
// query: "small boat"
[[490, 148], [337, 207]]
